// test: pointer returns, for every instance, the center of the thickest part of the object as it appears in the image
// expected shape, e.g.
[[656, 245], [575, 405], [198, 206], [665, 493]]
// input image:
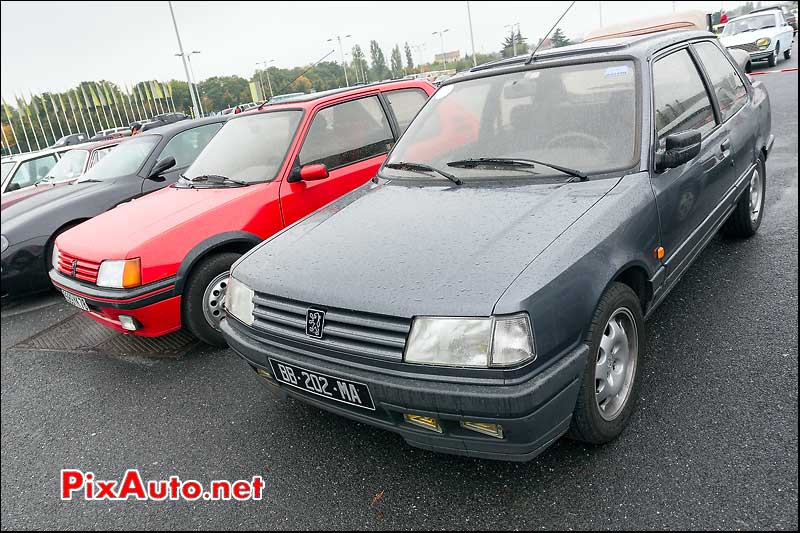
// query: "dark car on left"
[[140, 165]]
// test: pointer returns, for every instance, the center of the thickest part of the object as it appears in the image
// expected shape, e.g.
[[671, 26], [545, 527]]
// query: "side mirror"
[[680, 148], [161, 166], [309, 173]]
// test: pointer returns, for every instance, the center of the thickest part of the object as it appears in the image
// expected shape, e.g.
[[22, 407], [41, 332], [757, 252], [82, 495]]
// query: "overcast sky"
[[53, 46]]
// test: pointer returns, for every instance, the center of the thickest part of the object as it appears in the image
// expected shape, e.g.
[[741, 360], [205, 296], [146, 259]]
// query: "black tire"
[[787, 54], [588, 425], [192, 315], [740, 224], [773, 57]]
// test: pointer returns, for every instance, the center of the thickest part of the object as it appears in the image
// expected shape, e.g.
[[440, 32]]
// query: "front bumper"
[[156, 307], [533, 413], [760, 55]]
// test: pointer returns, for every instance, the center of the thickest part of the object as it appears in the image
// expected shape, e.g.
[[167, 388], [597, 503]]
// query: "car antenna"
[[280, 91], [541, 41]]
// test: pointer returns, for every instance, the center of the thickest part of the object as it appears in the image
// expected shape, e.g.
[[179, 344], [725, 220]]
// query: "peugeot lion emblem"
[[74, 267], [315, 323]]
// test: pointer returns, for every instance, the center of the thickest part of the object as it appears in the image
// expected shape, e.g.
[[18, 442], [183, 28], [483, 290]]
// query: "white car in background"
[[764, 35]]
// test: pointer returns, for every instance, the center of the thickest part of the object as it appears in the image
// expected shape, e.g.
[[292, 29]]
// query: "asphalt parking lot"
[[712, 445]]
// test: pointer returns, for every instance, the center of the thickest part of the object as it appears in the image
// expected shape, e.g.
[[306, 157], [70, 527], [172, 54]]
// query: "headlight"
[[54, 259], [470, 342], [763, 42], [120, 274], [3, 243], [239, 301]]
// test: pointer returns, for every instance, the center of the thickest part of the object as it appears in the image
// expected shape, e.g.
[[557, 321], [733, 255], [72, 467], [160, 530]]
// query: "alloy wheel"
[[615, 366], [214, 299]]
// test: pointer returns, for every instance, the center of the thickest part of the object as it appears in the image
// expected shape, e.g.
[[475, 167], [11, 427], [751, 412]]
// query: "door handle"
[[726, 145]]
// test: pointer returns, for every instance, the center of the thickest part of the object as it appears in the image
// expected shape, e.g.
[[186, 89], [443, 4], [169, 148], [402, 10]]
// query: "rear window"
[[69, 166], [127, 158], [578, 116]]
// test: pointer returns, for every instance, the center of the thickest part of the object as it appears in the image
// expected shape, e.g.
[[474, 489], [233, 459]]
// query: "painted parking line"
[[773, 71]]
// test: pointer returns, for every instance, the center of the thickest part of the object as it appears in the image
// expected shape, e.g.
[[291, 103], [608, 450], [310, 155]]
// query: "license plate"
[[330, 387], [77, 301]]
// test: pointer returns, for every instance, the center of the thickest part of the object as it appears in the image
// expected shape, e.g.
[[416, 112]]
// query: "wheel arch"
[[61, 229], [231, 241], [635, 276]]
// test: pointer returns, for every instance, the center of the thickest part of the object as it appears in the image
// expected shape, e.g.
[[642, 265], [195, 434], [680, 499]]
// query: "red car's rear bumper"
[[155, 308]]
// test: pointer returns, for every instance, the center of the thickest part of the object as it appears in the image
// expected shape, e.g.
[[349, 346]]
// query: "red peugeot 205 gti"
[[161, 262]]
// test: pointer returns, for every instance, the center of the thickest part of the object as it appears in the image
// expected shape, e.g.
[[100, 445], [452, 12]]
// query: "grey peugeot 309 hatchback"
[[486, 292]]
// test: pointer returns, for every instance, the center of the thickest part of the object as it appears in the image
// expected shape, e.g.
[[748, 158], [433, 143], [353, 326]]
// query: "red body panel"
[[161, 228]]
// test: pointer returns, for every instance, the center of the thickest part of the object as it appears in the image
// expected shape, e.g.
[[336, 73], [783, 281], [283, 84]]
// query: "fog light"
[[128, 322], [423, 422], [264, 374], [493, 430]]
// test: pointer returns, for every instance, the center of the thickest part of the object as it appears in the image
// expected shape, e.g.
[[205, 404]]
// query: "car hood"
[[117, 233], [748, 37], [10, 198], [38, 207], [400, 249]]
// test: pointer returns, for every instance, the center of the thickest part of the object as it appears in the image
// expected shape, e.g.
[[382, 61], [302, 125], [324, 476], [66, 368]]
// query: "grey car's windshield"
[[748, 24], [578, 116], [5, 168], [124, 160], [69, 166], [249, 149]]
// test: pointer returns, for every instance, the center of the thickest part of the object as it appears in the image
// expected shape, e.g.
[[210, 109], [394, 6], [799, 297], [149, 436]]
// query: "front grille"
[[84, 270], [749, 47], [346, 331]]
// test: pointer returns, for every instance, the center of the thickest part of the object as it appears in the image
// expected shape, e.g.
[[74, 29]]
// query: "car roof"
[[768, 8], [33, 155], [642, 46], [756, 13], [168, 130], [312, 99], [95, 145]]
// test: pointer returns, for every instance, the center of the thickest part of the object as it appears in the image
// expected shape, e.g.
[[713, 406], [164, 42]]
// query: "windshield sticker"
[[613, 72], [444, 91]]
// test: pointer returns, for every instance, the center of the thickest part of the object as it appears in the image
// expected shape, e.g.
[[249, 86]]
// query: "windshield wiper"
[[421, 167], [514, 162], [215, 178]]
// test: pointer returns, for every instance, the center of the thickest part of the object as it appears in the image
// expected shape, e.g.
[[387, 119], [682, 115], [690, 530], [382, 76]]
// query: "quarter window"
[[681, 101], [405, 104], [346, 133], [730, 91], [99, 154], [185, 146]]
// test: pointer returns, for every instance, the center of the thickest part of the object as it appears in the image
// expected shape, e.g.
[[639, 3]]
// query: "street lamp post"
[[441, 37], [192, 84], [341, 53], [185, 66], [471, 36]]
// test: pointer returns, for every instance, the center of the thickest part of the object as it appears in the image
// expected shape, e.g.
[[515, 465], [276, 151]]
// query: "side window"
[[346, 133], [99, 154], [731, 92], [405, 104], [185, 146], [681, 102], [31, 172]]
